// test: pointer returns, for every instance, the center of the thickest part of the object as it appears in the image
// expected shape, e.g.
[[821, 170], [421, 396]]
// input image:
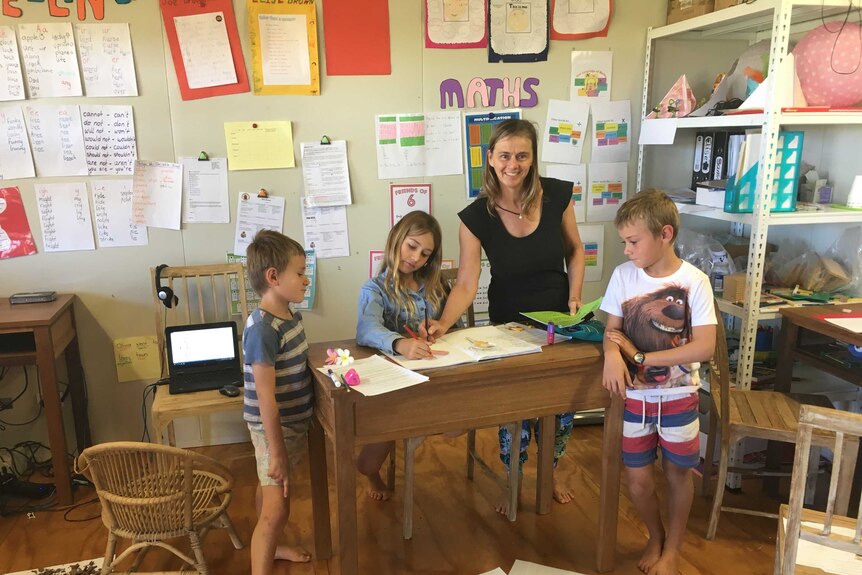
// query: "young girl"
[[406, 292]]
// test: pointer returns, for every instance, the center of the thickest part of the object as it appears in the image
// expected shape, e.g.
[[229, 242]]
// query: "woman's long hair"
[[414, 224], [532, 190]]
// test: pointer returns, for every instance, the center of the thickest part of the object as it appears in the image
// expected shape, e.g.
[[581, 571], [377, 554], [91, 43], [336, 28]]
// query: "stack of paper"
[[376, 375]]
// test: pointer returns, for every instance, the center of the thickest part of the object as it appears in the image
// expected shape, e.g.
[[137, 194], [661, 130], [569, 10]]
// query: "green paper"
[[563, 319]]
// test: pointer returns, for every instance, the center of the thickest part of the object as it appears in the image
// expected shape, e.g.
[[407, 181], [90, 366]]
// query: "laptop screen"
[[200, 345]]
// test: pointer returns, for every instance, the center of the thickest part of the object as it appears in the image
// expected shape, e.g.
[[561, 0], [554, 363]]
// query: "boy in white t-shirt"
[[661, 324]]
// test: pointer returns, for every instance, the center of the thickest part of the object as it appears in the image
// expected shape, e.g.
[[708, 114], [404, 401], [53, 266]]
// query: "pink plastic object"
[[677, 103], [827, 63], [351, 378]]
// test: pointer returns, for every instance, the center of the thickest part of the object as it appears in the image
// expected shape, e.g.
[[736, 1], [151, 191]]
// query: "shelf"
[[728, 121], [756, 120], [820, 118], [735, 310], [777, 219], [748, 20]]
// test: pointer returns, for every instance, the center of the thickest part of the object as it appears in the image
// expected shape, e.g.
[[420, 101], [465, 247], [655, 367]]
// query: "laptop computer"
[[203, 356]]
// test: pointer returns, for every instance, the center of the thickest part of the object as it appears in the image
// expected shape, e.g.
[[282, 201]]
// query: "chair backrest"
[[719, 375], [207, 293], [449, 277], [152, 491], [813, 419]]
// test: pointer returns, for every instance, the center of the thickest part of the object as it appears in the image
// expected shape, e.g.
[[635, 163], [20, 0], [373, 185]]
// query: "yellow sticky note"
[[137, 358], [259, 145]]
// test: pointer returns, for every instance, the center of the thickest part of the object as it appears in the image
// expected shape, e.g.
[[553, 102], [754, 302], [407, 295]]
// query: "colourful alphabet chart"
[[607, 190], [478, 132], [611, 121]]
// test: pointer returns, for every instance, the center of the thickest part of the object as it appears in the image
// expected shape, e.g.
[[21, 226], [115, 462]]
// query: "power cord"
[[150, 389]]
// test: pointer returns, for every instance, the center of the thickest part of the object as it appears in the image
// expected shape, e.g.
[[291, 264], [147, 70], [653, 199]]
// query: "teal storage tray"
[[740, 195]]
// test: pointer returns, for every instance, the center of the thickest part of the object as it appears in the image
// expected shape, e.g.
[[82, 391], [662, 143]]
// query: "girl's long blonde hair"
[[532, 191], [413, 224]]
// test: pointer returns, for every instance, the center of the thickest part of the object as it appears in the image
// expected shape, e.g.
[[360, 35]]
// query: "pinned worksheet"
[[112, 208], [50, 60], [607, 190], [109, 139], [325, 176], [311, 273], [57, 140], [157, 194], [16, 160], [577, 174], [611, 131], [11, 80], [591, 76], [518, 31], [259, 145], [255, 213], [205, 191], [205, 49], [406, 198], [593, 240], [565, 131], [137, 358], [64, 212], [456, 24], [418, 145], [326, 231], [107, 63]]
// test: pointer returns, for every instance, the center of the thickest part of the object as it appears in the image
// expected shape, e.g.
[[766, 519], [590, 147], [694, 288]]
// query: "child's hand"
[[278, 471], [626, 346], [413, 348], [434, 331], [615, 376]]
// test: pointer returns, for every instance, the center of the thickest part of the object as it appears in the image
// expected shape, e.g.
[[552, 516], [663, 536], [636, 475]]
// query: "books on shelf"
[[471, 345]]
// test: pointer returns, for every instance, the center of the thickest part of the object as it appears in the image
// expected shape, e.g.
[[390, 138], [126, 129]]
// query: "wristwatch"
[[639, 358]]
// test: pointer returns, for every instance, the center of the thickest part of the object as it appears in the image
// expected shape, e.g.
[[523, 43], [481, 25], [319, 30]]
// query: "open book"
[[471, 345], [562, 319]]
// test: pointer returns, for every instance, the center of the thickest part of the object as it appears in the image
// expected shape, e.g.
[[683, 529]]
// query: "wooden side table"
[[37, 334], [167, 407]]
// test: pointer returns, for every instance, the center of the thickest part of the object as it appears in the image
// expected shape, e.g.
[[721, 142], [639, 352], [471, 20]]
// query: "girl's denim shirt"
[[379, 324]]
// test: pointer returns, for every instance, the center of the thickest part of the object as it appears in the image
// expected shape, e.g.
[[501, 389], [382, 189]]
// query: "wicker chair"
[[151, 493]]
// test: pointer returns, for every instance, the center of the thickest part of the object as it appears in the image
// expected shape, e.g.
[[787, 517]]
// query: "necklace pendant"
[[520, 216]]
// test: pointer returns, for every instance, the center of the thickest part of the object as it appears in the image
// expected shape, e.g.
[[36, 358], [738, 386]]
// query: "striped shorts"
[[669, 422]]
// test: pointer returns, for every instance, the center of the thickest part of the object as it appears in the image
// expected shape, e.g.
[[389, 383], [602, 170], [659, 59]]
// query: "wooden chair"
[[153, 493], [410, 444], [846, 428], [737, 414], [206, 293]]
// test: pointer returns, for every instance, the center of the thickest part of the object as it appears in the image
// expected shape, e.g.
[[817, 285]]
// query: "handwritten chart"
[[50, 60], [107, 63], [11, 80], [57, 140], [64, 213], [109, 139], [112, 207]]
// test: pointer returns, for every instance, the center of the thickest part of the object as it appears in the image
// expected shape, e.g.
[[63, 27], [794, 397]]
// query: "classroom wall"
[[112, 285]]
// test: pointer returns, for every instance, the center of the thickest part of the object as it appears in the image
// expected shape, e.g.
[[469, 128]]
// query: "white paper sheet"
[[254, 214], [205, 191], [378, 375], [480, 300], [496, 571], [591, 76], [326, 231], [284, 49], [325, 176], [418, 145], [611, 129], [577, 174], [456, 21], [518, 27], [16, 160], [854, 324], [565, 131], [80, 566], [406, 198], [57, 140], [593, 238], [526, 568], [607, 191], [205, 49], [112, 209], [109, 139], [50, 60], [157, 194], [64, 213], [107, 63], [11, 79], [658, 131], [829, 560]]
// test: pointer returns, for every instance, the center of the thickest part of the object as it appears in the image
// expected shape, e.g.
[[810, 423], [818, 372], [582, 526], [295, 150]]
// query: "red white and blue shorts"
[[670, 422]]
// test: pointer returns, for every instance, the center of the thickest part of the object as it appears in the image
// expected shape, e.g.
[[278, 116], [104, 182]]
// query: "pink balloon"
[[830, 73]]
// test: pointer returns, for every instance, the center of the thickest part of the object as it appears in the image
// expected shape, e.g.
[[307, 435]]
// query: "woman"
[[526, 225]]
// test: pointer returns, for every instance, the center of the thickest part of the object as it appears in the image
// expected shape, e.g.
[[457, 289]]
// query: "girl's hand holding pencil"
[[416, 347]]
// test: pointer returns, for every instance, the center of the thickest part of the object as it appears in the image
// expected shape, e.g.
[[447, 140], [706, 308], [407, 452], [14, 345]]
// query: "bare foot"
[[651, 555], [377, 488], [668, 564], [562, 493], [294, 554], [503, 507]]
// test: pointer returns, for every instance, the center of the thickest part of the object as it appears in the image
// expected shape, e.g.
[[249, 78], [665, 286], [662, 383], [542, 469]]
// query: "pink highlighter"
[[351, 378], [550, 333]]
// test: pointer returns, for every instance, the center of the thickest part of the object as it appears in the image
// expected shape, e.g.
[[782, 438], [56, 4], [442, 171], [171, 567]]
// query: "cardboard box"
[[710, 193], [722, 4], [679, 10], [734, 287]]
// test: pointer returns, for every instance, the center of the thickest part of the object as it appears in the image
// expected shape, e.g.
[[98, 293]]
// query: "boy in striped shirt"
[[277, 403]]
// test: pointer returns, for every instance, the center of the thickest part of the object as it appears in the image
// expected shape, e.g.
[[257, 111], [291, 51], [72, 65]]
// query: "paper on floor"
[[527, 568]]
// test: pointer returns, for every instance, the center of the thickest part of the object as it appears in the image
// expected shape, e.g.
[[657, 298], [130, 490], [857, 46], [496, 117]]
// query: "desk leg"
[[784, 369], [545, 479], [319, 491], [79, 398], [53, 413], [609, 498], [845, 476], [345, 488]]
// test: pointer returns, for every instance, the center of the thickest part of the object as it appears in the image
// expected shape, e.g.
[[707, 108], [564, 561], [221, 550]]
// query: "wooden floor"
[[455, 528]]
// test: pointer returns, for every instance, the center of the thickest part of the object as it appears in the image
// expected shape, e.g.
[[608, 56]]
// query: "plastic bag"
[[811, 271], [847, 251], [698, 250]]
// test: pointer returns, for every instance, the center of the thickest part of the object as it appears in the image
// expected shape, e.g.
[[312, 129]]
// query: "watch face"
[[639, 358]]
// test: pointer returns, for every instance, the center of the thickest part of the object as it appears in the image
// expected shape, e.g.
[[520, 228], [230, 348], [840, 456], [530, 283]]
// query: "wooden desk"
[[795, 321], [36, 334], [564, 377], [167, 407]]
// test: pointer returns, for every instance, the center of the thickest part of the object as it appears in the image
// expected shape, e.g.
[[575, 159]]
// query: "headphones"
[[165, 294]]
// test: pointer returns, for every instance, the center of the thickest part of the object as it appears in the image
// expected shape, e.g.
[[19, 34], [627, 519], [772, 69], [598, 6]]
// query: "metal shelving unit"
[[776, 20]]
